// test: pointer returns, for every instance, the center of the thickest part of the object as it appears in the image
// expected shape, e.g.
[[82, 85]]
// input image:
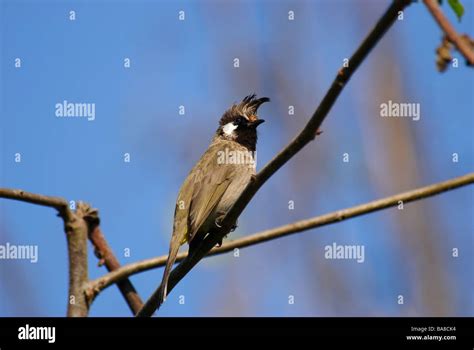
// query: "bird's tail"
[[174, 248]]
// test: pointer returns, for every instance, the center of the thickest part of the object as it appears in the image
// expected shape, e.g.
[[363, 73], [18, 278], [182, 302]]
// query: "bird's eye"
[[238, 121]]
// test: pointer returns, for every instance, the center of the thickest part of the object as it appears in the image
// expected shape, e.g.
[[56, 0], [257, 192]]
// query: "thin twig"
[[305, 136], [131, 269], [77, 226], [461, 45], [106, 256], [20, 195]]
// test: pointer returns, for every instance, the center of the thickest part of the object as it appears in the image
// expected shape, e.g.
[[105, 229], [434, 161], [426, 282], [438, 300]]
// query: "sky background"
[[191, 63]]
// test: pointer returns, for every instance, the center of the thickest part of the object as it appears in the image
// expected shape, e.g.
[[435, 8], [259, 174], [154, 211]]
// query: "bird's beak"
[[256, 123]]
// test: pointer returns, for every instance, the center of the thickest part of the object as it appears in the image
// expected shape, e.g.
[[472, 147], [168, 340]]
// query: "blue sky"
[[190, 63]]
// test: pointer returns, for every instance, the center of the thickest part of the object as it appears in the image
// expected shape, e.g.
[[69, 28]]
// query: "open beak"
[[256, 123]]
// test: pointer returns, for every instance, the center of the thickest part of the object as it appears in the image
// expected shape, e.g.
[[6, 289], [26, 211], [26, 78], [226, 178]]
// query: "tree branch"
[[106, 256], [305, 136], [461, 45], [47, 201], [77, 226], [76, 234], [126, 271]]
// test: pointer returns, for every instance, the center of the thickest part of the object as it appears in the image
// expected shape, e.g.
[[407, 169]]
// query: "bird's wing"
[[209, 187], [200, 193], [205, 203]]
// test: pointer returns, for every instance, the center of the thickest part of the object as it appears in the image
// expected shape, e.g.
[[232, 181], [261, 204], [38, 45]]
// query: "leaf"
[[457, 7]]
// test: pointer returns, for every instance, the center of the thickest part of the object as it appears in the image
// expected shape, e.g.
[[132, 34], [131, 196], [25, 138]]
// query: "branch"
[[77, 226], [107, 257], [299, 226], [76, 229], [47, 201], [305, 136], [461, 45]]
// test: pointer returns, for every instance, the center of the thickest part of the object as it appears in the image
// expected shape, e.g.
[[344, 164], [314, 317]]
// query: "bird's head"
[[239, 123]]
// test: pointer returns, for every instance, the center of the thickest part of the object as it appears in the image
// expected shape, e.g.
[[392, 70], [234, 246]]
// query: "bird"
[[216, 181]]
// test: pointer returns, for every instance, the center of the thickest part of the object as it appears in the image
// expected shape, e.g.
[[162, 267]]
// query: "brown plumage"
[[212, 186]]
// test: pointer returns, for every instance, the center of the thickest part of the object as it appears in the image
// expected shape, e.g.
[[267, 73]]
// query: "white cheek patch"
[[229, 128]]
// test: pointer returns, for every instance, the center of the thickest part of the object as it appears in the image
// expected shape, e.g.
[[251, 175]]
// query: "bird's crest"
[[247, 108]]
